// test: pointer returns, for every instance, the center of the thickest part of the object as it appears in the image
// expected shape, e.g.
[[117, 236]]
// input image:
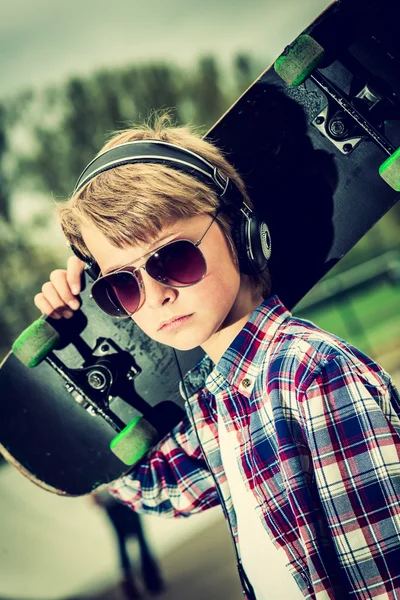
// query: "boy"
[[292, 430]]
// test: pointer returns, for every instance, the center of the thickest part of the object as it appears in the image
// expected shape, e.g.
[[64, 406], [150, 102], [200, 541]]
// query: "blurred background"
[[70, 74]]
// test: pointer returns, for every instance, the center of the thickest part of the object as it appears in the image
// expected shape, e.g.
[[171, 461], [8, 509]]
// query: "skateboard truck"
[[101, 376], [107, 372], [336, 129], [341, 121], [337, 125]]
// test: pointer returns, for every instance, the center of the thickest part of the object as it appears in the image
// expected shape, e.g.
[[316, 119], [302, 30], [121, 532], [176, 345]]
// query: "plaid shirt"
[[318, 444]]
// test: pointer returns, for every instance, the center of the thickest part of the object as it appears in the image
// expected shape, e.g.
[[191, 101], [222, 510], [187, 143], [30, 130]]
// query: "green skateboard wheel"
[[35, 343], [299, 60], [134, 441], [390, 170]]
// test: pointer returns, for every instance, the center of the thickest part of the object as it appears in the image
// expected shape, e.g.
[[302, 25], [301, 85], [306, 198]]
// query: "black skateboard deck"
[[310, 150], [316, 140]]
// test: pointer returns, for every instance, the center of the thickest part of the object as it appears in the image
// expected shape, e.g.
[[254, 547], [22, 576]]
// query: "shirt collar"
[[241, 363]]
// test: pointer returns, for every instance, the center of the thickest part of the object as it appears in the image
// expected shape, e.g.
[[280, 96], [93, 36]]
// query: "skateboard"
[[316, 139]]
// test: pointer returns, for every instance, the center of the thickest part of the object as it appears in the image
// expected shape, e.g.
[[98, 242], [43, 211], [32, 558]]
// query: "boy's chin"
[[184, 346]]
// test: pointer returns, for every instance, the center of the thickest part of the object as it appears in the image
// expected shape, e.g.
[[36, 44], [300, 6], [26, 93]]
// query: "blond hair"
[[132, 203]]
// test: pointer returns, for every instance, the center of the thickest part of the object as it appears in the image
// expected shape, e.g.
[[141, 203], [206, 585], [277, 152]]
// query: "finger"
[[53, 298], [74, 272], [60, 286], [45, 307]]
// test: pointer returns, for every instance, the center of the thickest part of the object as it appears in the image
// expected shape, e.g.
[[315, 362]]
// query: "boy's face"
[[218, 305]]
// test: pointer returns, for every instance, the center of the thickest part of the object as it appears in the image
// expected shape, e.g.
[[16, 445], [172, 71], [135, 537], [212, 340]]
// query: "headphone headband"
[[157, 152]]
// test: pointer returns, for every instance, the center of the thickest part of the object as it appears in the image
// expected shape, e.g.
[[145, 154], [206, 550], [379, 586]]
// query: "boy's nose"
[[157, 294]]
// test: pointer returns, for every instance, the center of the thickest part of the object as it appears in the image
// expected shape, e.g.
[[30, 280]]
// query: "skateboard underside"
[[311, 170]]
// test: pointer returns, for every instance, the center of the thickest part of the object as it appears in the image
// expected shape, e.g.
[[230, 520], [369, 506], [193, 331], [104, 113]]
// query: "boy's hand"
[[58, 297]]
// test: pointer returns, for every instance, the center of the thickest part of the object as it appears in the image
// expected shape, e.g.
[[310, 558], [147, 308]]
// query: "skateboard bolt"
[[320, 120], [347, 148], [97, 380], [337, 128], [131, 374]]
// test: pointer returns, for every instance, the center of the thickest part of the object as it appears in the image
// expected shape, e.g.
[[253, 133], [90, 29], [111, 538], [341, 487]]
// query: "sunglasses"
[[177, 264]]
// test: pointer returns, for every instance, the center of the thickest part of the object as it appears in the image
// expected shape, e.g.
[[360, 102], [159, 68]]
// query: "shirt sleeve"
[[351, 419], [172, 480]]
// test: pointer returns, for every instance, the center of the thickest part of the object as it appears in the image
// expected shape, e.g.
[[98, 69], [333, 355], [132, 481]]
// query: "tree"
[[244, 73], [4, 192], [207, 94]]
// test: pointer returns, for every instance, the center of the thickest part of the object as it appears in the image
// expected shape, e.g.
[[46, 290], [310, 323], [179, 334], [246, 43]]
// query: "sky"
[[43, 42]]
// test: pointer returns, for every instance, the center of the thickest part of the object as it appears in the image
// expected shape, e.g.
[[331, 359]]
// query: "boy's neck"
[[245, 304]]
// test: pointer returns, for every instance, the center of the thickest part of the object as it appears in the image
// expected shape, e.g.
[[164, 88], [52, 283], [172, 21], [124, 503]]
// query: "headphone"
[[249, 232]]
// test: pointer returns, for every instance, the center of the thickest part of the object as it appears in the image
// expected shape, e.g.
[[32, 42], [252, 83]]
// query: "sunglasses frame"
[[139, 281]]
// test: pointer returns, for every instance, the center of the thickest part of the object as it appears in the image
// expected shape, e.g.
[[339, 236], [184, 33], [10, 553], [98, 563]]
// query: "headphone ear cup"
[[252, 242], [260, 240], [238, 231]]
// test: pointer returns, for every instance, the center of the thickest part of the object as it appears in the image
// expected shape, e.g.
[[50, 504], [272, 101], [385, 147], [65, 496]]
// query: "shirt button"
[[246, 383]]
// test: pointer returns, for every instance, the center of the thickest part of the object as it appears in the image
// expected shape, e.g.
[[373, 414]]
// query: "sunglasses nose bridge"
[[156, 292], [150, 279], [139, 277]]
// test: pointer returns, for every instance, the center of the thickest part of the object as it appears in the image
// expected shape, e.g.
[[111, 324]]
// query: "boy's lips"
[[174, 322]]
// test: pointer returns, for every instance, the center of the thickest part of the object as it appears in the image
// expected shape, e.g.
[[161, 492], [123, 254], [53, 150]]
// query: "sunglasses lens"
[[118, 294], [178, 264]]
